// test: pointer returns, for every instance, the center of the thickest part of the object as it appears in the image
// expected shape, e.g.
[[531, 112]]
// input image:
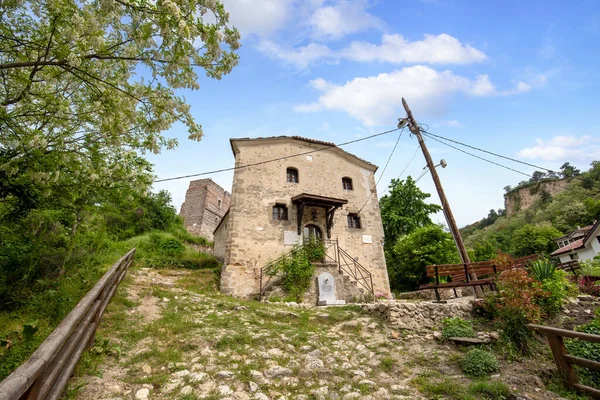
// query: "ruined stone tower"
[[204, 206]]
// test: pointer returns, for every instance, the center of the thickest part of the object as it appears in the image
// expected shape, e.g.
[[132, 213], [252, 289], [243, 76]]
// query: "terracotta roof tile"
[[571, 246]]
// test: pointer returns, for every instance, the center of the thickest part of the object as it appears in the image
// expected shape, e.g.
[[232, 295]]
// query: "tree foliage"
[[404, 209], [413, 252], [87, 88], [534, 230]]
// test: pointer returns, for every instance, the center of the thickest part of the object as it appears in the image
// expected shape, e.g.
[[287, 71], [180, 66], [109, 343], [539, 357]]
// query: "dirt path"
[[168, 334]]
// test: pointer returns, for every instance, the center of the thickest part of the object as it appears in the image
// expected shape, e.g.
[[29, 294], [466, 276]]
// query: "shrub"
[[542, 269], [591, 267], [457, 327], [588, 350], [556, 289], [297, 271], [515, 305], [493, 390], [588, 286], [314, 249], [479, 363]]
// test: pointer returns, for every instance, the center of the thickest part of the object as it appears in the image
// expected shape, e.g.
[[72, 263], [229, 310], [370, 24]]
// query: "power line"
[[476, 156], [401, 172], [426, 132], [383, 171], [274, 159]]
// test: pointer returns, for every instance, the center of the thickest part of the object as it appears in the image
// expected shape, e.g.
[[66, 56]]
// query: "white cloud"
[[440, 49], [377, 100], [342, 18], [432, 49], [300, 57], [450, 123], [258, 17], [564, 148]]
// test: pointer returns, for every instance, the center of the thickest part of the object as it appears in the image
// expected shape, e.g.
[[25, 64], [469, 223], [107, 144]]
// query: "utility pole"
[[462, 251]]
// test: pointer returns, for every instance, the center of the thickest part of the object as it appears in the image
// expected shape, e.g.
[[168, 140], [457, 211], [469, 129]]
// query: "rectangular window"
[[280, 212], [292, 175], [354, 221], [347, 183]]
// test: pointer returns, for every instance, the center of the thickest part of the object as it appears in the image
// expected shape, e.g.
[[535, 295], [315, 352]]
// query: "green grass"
[[387, 364], [436, 386]]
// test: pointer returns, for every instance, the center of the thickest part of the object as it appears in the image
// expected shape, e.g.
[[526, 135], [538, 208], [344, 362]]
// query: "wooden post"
[[462, 250], [564, 368]]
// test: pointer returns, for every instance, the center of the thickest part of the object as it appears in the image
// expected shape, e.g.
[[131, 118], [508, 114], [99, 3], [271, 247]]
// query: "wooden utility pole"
[[462, 250]]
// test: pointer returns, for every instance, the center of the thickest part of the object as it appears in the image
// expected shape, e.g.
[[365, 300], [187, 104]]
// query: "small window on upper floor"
[[347, 183], [280, 212], [354, 221], [219, 203], [292, 175]]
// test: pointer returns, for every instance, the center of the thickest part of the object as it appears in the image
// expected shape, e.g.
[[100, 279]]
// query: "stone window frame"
[[347, 183], [280, 212], [292, 175], [354, 221]]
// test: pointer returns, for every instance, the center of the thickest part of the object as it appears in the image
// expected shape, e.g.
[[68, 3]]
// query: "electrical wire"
[[426, 132], [275, 159], [401, 172], [383, 171], [481, 158]]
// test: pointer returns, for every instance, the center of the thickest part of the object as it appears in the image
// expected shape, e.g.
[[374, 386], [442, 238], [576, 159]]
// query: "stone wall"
[[204, 206], [422, 315], [522, 198], [254, 238]]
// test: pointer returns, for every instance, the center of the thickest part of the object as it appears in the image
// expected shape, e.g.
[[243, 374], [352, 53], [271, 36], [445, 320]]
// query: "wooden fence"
[[565, 361], [45, 374]]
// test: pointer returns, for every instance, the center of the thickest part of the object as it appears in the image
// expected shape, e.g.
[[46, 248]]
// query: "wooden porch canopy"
[[330, 204]]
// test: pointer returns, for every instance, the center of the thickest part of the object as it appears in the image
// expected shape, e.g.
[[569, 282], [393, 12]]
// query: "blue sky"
[[515, 77]]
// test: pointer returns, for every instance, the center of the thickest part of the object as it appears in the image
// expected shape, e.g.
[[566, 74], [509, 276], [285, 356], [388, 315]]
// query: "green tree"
[[568, 171], [534, 239], [404, 209], [86, 86], [426, 245]]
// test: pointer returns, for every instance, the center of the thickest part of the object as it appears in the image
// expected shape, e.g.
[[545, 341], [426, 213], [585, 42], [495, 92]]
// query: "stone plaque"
[[290, 238], [326, 285], [367, 239]]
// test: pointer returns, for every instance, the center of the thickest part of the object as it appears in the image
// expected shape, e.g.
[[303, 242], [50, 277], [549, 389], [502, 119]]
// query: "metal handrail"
[[263, 287], [349, 266], [353, 268]]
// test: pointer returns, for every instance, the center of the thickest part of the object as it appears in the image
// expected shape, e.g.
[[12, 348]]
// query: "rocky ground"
[[170, 334]]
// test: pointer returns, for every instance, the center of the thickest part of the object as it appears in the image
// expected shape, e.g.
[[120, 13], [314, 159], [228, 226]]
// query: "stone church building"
[[204, 206], [314, 189]]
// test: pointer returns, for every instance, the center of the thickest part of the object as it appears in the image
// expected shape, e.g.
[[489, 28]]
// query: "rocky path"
[[169, 335]]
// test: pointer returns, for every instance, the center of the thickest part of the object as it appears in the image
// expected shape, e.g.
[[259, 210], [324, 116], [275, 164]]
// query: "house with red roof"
[[581, 244]]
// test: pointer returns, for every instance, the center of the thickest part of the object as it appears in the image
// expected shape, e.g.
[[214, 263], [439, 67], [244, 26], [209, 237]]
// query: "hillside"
[[533, 229]]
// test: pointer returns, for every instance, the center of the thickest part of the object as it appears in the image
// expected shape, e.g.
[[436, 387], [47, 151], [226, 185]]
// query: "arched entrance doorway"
[[312, 231]]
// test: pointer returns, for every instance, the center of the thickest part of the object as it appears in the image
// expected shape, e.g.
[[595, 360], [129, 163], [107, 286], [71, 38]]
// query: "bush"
[[588, 286], [479, 363], [163, 250], [556, 289], [457, 327], [515, 305], [494, 390], [297, 269], [591, 267], [542, 269], [588, 350]]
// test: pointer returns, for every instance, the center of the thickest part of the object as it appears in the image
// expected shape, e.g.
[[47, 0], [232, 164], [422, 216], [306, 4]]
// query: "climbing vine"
[[297, 269]]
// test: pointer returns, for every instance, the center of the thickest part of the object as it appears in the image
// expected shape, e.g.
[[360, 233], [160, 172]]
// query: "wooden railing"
[[45, 374], [565, 361]]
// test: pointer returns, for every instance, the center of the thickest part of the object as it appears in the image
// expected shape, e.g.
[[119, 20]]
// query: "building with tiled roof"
[[581, 244]]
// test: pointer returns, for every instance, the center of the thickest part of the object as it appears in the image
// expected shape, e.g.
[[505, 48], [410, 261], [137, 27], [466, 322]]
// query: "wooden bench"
[[524, 261], [572, 266], [459, 276]]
